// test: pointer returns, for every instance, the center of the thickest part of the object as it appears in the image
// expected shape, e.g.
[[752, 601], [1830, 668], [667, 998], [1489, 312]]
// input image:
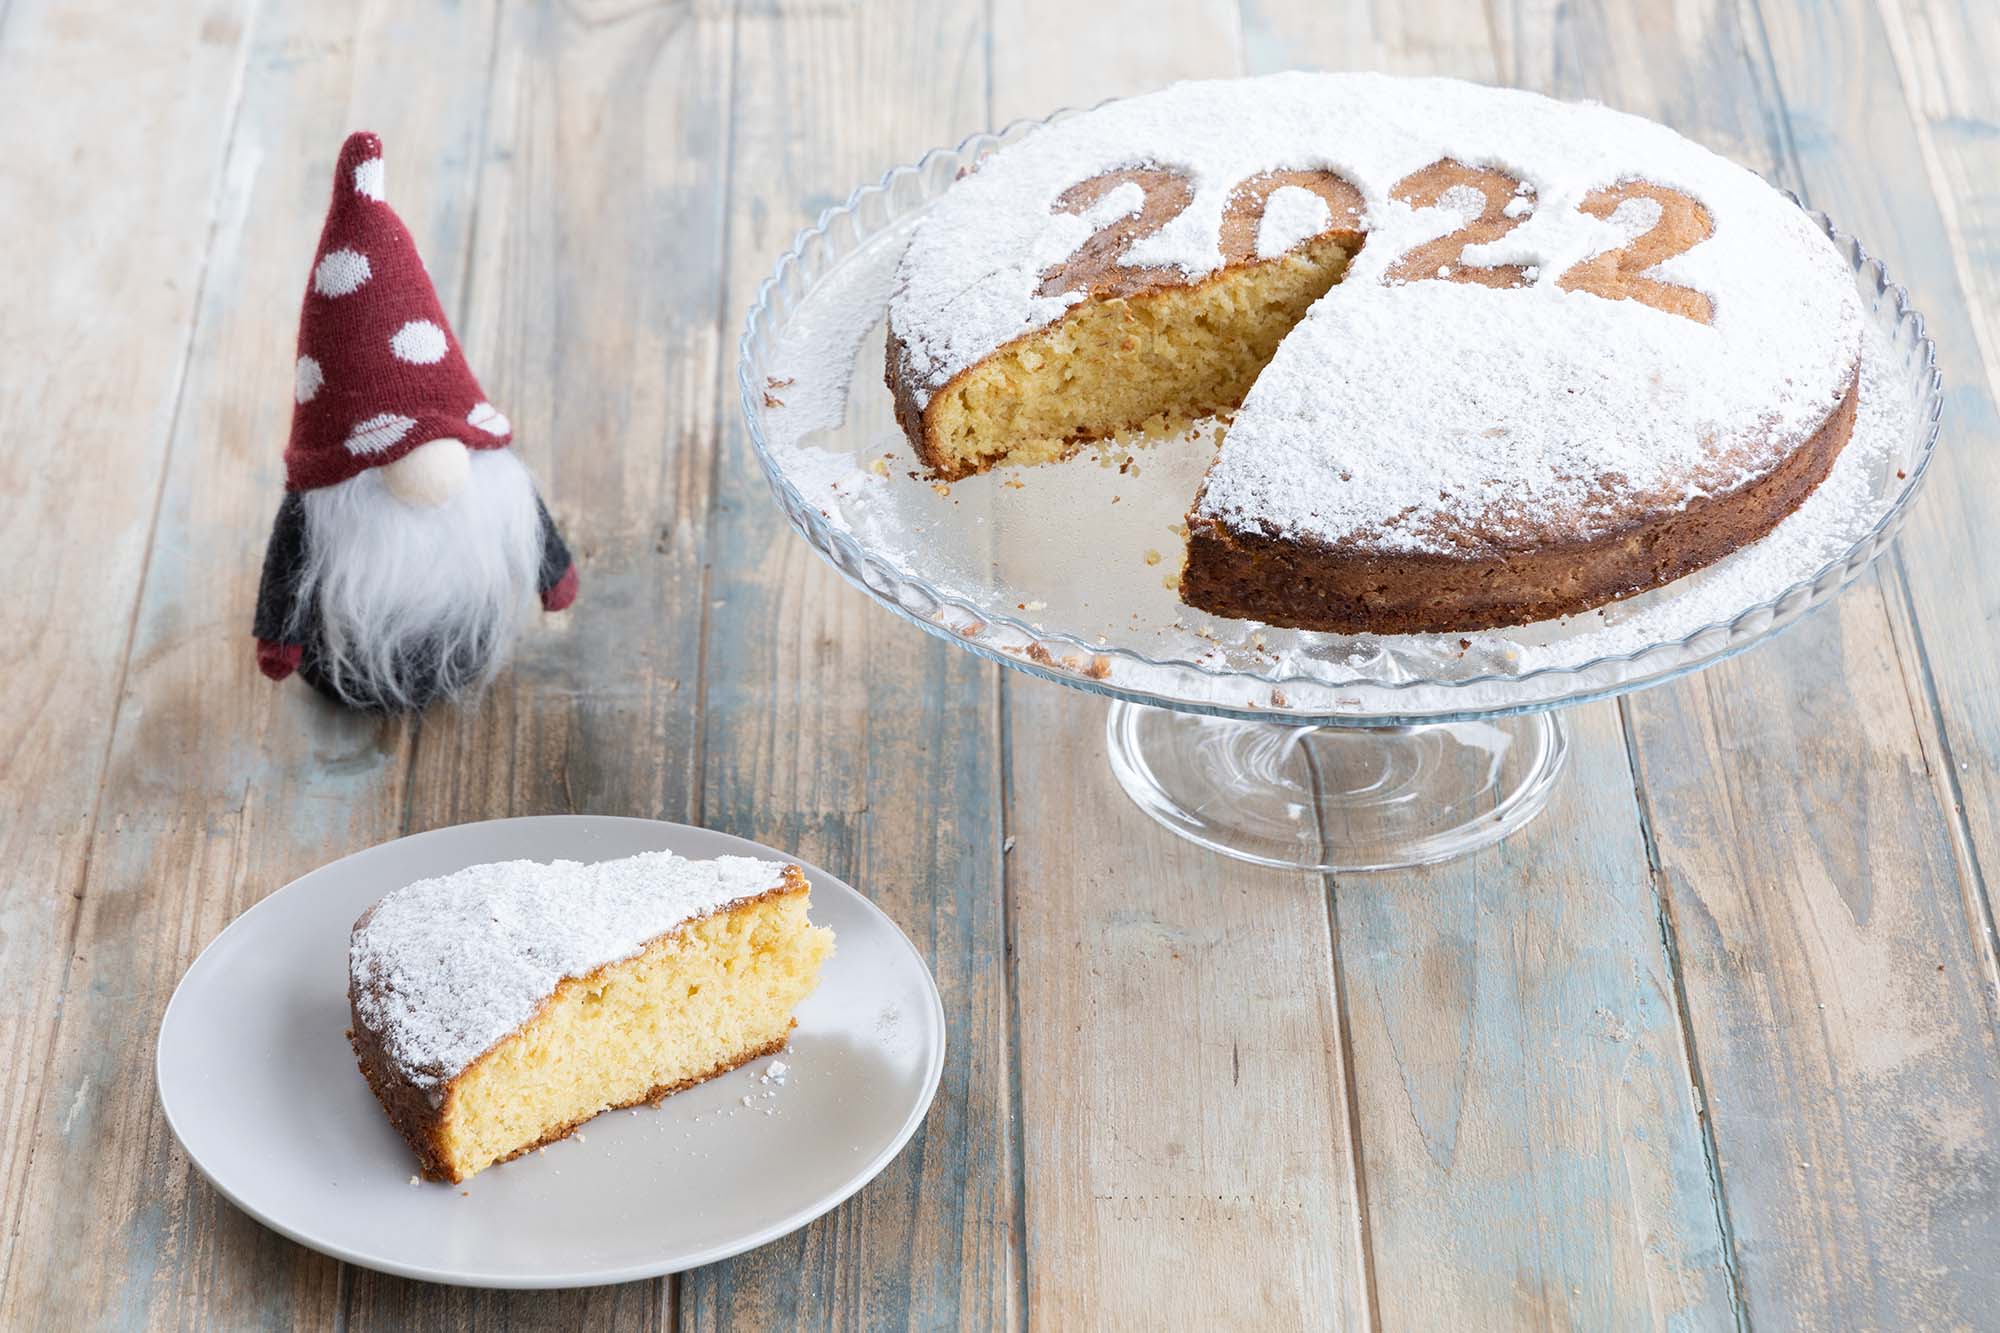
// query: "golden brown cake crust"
[[1304, 585], [419, 1118], [408, 1106], [902, 382]]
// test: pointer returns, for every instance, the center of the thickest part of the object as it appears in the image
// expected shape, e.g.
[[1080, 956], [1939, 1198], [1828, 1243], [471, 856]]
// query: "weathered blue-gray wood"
[[1941, 55], [603, 141], [219, 787], [1945, 52], [839, 731], [1187, 1142], [1526, 1113], [94, 344], [1835, 990]]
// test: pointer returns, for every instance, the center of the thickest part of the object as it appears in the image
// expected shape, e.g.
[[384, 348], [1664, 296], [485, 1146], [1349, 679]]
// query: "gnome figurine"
[[411, 539]]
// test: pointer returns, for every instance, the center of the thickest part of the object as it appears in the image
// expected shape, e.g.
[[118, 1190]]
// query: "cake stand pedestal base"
[[1336, 798]]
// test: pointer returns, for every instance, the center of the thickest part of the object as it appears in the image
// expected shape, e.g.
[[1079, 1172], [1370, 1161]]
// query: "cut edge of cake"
[[1241, 311]]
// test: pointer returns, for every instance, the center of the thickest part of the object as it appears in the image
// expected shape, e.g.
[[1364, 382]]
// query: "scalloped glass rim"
[[842, 229]]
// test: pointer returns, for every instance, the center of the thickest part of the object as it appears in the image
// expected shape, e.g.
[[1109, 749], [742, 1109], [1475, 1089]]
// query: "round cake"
[[1484, 357]]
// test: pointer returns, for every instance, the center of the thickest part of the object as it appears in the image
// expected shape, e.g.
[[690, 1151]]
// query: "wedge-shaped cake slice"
[[498, 1008]]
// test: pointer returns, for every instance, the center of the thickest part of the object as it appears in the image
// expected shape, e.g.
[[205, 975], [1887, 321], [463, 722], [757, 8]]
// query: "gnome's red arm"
[[278, 646], [558, 582]]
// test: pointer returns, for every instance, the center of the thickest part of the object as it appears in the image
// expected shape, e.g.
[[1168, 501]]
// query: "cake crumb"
[[1152, 556], [772, 400], [416, 1180]]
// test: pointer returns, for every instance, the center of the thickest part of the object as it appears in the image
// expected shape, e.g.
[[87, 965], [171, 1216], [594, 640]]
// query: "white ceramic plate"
[[259, 1086]]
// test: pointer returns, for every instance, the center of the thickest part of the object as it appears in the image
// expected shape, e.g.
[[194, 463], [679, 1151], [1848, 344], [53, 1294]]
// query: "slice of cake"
[[498, 1008]]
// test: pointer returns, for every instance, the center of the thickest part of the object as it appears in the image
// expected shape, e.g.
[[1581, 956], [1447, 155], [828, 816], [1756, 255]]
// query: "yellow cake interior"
[[1155, 361], [693, 1003]]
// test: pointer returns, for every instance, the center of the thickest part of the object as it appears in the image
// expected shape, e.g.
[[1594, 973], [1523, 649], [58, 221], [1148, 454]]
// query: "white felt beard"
[[416, 602]]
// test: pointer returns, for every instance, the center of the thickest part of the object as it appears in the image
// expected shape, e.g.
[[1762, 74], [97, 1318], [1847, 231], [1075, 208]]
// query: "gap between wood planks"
[[1798, 1271], [30, 1116], [1965, 844], [1926, 709], [1691, 1049]]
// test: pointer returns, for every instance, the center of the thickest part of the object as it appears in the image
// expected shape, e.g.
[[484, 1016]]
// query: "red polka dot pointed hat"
[[379, 370]]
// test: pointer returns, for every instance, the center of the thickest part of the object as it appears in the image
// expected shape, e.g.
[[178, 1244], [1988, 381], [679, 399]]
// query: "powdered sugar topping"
[[1292, 216], [446, 967]]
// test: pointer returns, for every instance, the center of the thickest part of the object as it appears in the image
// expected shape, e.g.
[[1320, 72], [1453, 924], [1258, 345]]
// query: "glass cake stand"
[[1282, 747]]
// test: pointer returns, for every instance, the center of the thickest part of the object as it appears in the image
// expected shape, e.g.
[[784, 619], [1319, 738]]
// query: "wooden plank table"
[[1712, 1042]]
